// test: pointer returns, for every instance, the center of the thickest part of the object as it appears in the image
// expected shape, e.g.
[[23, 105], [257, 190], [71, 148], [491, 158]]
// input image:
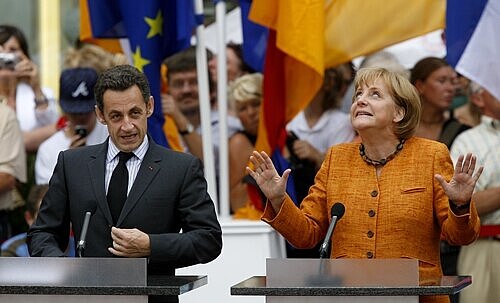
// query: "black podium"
[[75, 280], [348, 280]]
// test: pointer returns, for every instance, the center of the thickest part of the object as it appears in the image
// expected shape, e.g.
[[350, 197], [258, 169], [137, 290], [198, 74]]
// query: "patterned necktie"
[[117, 190]]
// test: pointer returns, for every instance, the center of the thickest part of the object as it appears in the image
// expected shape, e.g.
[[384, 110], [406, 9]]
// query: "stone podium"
[[348, 280], [94, 280]]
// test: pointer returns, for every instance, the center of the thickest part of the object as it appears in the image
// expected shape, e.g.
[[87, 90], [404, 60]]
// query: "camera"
[[81, 130], [8, 60]]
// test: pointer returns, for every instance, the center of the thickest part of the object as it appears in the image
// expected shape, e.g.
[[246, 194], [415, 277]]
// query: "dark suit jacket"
[[169, 194]]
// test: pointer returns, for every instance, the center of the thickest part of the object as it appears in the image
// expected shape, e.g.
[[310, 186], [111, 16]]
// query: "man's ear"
[[100, 115], [150, 106], [477, 99]]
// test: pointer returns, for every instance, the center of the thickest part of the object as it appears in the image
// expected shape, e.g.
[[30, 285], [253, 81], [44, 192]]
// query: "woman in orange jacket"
[[400, 192]]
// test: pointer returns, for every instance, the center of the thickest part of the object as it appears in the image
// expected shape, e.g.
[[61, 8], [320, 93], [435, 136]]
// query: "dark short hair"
[[120, 78], [181, 62], [426, 66], [9, 31], [238, 51]]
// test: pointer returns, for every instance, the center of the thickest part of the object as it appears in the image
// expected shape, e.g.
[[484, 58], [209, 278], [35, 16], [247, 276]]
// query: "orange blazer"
[[401, 214]]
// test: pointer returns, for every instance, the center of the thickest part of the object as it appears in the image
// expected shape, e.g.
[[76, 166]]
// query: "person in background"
[[12, 167], [35, 106], [461, 97], [435, 80], [236, 66], [92, 56], [320, 125], [16, 246], [316, 128], [140, 194], [76, 91], [245, 96], [181, 104], [480, 259], [468, 113], [390, 181]]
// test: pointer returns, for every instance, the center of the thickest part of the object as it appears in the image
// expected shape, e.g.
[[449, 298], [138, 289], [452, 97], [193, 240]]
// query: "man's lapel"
[[97, 170], [150, 166]]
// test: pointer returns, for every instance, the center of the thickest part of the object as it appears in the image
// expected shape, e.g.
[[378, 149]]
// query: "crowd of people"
[[377, 138]]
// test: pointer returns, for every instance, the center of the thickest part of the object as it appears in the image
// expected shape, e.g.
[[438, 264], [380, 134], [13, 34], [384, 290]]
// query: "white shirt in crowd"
[[334, 127], [29, 118], [46, 157]]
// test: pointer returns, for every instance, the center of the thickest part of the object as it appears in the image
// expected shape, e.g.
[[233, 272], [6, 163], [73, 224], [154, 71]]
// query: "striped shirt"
[[133, 164], [484, 142]]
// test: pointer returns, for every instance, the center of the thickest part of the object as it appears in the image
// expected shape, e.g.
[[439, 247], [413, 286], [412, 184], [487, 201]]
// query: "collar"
[[139, 152], [490, 122]]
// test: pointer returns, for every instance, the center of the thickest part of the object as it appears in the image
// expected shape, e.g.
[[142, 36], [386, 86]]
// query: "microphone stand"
[[323, 250], [81, 244]]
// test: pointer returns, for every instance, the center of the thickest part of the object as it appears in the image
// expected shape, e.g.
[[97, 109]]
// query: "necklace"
[[381, 161]]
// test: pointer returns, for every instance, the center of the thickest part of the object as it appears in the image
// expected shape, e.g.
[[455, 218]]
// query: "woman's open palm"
[[461, 186], [269, 181]]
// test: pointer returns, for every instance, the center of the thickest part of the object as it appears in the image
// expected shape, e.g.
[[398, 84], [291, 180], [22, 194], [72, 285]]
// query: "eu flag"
[[155, 29], [254, 39]]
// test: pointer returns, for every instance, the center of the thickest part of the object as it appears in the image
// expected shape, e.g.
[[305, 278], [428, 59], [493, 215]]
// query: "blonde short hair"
[[403, 93], [245, 88], [92, 56]]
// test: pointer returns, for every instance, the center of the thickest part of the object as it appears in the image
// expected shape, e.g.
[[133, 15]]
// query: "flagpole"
[[202, 71], [220, 18]]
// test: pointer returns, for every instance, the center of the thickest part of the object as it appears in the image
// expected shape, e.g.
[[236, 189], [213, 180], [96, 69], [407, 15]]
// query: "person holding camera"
[[20, 84], [12, 167], [78, 105]]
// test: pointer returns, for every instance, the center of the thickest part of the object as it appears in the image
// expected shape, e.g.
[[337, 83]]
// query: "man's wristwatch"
[[189, 129]]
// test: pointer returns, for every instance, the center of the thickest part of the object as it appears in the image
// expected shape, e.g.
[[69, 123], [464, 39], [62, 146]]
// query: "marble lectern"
[[348, 280], [94, 280]]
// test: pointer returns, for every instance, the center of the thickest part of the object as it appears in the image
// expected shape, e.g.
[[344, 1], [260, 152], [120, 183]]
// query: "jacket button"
[[374, 193], [371, 213], [369, 255], [370, 234]]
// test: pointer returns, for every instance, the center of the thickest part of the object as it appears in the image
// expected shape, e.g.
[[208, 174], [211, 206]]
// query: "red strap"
[[489, 231]]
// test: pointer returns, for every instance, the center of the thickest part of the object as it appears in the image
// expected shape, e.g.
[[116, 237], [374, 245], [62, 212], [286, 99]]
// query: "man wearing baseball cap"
[[77, 102]]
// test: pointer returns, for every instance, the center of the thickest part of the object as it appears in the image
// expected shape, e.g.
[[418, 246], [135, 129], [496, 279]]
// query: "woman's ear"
[[399, 114], [419, 85]]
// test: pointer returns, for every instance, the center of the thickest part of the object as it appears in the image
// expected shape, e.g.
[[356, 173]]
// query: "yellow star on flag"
[[155, 25], [139, 61]]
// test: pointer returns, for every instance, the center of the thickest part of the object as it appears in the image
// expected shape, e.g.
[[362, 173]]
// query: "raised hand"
[[269, 181], [28, 70], [461, 186]]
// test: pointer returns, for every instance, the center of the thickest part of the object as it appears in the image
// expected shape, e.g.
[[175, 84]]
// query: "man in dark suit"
[[166, 190]]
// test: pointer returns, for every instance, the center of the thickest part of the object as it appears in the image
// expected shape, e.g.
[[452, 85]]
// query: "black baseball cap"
[[76, 90]]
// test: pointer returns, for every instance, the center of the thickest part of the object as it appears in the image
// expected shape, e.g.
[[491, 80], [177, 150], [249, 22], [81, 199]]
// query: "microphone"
[[81, 244], [337, 212]]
